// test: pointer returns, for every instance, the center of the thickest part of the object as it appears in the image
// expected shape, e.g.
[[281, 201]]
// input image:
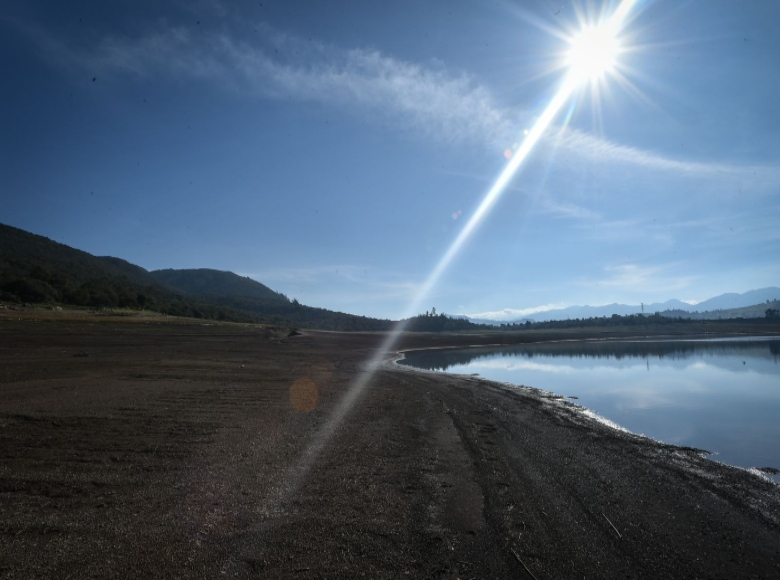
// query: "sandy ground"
[[154, 449]]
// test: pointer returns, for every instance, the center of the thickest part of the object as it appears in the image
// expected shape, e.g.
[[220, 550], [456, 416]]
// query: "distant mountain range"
[[37, 270], [751, 304]]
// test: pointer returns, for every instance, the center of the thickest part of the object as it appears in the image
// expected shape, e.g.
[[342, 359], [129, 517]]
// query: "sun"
[[593, 52]]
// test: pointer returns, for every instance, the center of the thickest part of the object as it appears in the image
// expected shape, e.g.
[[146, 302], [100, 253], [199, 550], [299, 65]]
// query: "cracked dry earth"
[[146, 450]]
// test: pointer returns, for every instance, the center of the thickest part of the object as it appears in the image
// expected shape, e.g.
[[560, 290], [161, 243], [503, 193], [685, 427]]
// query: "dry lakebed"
[[163, 448]]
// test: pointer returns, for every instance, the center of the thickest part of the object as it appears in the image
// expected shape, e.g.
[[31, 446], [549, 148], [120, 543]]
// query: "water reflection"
[[720, 395]]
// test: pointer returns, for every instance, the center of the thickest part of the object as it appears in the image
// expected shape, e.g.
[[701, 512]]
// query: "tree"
[[772, 313]]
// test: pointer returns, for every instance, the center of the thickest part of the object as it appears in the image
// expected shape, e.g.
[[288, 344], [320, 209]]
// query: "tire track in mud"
[[559, 498]]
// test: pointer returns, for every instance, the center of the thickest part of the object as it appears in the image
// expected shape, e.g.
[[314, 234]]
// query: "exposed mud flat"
[[156, 449]]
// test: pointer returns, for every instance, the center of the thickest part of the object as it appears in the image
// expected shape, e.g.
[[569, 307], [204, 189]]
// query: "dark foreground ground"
[[149, 450]]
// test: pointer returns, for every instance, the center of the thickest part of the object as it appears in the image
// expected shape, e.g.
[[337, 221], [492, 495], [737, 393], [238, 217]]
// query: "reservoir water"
[[722, 395]]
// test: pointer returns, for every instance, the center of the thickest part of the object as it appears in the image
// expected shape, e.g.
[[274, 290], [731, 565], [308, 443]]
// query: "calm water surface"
[[721, 395]]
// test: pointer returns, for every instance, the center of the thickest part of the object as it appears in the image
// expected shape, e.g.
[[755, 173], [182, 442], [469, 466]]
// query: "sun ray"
[[632, 89], [577, 76]]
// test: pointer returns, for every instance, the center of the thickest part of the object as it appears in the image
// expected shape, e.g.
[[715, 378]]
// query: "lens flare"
[[303, 395]]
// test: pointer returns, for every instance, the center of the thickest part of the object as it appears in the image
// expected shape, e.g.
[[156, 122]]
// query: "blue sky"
[[334, 150]]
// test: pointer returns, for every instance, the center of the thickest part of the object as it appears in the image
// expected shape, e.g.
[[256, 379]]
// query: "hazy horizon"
[[333, 152]]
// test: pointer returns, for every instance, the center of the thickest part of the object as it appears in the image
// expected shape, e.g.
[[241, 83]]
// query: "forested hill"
[[242, 294], [37, 270], [204, 281], [31, 255]]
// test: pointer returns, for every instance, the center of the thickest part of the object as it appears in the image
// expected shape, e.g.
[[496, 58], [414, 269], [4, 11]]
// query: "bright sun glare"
[[593, 52]]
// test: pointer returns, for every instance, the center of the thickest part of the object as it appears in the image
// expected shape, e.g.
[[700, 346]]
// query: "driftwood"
[[613, 525], [531, 574]]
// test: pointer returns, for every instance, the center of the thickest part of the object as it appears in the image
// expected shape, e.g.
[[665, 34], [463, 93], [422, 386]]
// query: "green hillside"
[[243, 294], [37, 270], [204, 281]]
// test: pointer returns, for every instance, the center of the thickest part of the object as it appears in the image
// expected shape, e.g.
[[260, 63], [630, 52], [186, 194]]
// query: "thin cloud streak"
[[602, 150], [644, 280], [566, 210]]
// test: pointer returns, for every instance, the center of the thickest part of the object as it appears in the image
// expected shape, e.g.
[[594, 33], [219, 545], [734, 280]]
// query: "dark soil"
[[147, 449]]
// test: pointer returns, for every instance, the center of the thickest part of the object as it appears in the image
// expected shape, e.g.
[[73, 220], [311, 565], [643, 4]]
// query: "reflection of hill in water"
[[671, 350]]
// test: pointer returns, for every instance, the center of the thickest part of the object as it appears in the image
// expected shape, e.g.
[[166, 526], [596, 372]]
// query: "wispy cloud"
[[330, 283], [566, 210], [427, 97], [644, 280], [717, 231], [602, 149], [753, 179], [631, 275], [624, 230]]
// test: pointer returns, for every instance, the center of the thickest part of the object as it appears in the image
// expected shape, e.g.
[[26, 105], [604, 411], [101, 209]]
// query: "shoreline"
[[161, 450], [769, 474]]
